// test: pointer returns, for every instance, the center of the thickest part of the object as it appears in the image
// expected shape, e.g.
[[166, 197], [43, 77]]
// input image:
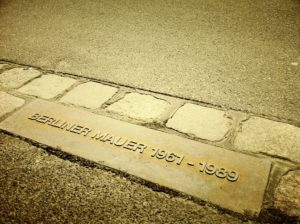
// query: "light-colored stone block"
[[203, 122], [8, 103], [140, 106], [3, 65], [287, 194], [16, 77], [274, 138], [47, 86], [90, 95]]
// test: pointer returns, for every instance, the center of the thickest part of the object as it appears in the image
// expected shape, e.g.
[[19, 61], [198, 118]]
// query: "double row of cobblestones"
[[225, 128]]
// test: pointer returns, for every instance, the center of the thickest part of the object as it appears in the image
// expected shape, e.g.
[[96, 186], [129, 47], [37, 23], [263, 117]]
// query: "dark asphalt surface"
[[37, 187], [238, 54]]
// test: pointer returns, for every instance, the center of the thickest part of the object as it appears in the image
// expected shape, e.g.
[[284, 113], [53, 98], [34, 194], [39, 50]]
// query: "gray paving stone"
[[203, 122], [140, 106], [287, 194], [8, 103], [16, 77], [274, 138], [90, 95], [47, 86]]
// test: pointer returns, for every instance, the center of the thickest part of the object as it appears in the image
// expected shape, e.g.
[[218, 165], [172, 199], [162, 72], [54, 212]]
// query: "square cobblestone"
[[8, 103], [271, 137], [140, 106], [3, 65], [287, 194], [90, 95], [202, 122], [16, 77], [47, 86]]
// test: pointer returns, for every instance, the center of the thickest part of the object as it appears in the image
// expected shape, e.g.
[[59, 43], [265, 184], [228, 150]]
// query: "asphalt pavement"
[[236, 54]]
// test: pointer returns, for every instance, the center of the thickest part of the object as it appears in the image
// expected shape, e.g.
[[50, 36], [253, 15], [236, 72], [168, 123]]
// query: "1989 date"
[[211, 169]]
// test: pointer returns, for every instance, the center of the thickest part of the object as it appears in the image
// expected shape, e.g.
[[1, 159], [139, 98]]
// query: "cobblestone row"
[[255, 135]]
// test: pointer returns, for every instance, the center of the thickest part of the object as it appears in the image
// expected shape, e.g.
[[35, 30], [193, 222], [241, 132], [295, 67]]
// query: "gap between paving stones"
[[201, 103], [227, 142]]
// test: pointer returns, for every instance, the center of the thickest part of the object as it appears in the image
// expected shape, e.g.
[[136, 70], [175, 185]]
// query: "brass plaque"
[[229, 179]]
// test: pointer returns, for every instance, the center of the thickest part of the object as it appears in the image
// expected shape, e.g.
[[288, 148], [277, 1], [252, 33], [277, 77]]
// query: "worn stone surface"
[[9, 103], [37, 187], [229, 179], [3, 65], [203, 122], [287, 194], [47, 86], [140, 106], [16, 77], [90, 95], [274, 138]]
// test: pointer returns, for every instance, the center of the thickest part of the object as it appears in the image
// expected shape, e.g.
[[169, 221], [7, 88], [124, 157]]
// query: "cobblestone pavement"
[[38, 177]]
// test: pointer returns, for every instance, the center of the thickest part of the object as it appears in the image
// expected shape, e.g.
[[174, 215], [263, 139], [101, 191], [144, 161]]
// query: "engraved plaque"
[[229, 179]]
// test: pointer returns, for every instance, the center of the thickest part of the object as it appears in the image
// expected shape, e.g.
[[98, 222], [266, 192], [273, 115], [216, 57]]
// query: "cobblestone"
[[90, 95], [16, 77], [8, 103], [287, 194], [3, 65], [203, 122], [47, 86], [270, 137], [140, 107]]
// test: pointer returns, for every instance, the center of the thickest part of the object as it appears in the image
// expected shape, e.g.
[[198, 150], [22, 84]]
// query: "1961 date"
[[169, 157]]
